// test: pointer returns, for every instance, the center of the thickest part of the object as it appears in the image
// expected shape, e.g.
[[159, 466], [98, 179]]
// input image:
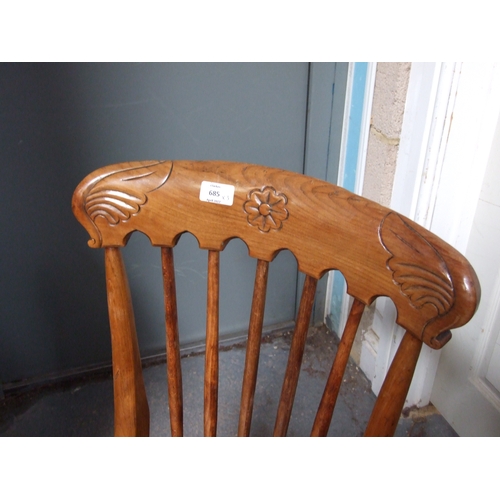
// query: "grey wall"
[[58, 122]]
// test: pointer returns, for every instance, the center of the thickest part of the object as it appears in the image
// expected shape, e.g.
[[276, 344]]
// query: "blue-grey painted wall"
[[58, 122]]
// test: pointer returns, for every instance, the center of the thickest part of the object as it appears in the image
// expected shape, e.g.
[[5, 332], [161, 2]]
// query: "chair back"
[[378, 251]]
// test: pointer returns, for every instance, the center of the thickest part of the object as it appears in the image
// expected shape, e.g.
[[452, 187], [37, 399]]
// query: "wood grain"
[[324, 226], [131, 406], [212, 346], [253, 347], [332, 388], [174, 374], [295, 357], [387, 410]]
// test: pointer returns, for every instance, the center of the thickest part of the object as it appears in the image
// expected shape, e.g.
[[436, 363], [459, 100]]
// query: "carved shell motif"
[[417, 267], [116, 198]]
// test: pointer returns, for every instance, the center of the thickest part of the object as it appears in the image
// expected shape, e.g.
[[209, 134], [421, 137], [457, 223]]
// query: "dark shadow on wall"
[[52, 298], [58, 123]]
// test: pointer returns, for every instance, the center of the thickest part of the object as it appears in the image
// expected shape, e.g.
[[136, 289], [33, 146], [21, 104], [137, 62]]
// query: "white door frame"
[[450, 117]]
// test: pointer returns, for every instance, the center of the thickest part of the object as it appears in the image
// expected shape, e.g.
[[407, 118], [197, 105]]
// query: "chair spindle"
[[331, 392], [131, 405], [253, 347], [174, 374], [387, 409], [295, 356], [212, 345]]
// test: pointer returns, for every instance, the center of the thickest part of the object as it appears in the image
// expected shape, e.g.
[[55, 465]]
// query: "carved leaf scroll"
[[416, 266], [119, 195]]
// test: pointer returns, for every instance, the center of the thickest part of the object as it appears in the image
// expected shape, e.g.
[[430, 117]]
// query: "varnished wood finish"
[[253, 347], [379, 252], [212, 345], [387, 410], [326, 227], [327, 404], [295, 357], [174, 374], [131, 406]]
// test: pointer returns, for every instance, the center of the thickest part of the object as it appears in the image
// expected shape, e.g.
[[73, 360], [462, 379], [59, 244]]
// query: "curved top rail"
[[379, 252]]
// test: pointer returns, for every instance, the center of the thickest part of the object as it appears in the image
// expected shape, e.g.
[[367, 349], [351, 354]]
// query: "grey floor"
[[85, 407]]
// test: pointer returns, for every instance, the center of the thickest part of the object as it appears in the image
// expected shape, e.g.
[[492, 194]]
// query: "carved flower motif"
[[265, 209]]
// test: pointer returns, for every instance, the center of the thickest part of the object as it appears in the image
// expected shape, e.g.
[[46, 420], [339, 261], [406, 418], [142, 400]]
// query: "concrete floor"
[[85, 407]]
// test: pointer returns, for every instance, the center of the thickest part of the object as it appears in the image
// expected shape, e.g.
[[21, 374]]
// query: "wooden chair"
[[379, 252]]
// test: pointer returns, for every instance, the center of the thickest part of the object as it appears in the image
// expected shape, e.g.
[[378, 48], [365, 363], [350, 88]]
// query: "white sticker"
[[213, 192]]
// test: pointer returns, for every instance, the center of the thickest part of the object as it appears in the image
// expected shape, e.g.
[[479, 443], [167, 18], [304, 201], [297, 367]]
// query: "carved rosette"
[[118, 196], [266, 209], [417, 267]]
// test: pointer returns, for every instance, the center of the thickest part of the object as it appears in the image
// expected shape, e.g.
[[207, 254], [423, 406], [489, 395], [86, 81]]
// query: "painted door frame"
[[352, 160], [450, 117]]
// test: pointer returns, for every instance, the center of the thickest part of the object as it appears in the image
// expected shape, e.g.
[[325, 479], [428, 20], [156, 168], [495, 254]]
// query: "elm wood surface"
[[174, 374], [253, 347], [131, 405], [379, 252], [212, 345], [295, 357], [332, 388], [390, 401]]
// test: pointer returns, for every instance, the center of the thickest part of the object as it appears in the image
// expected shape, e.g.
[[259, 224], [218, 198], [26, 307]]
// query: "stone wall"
[[391, 84]]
